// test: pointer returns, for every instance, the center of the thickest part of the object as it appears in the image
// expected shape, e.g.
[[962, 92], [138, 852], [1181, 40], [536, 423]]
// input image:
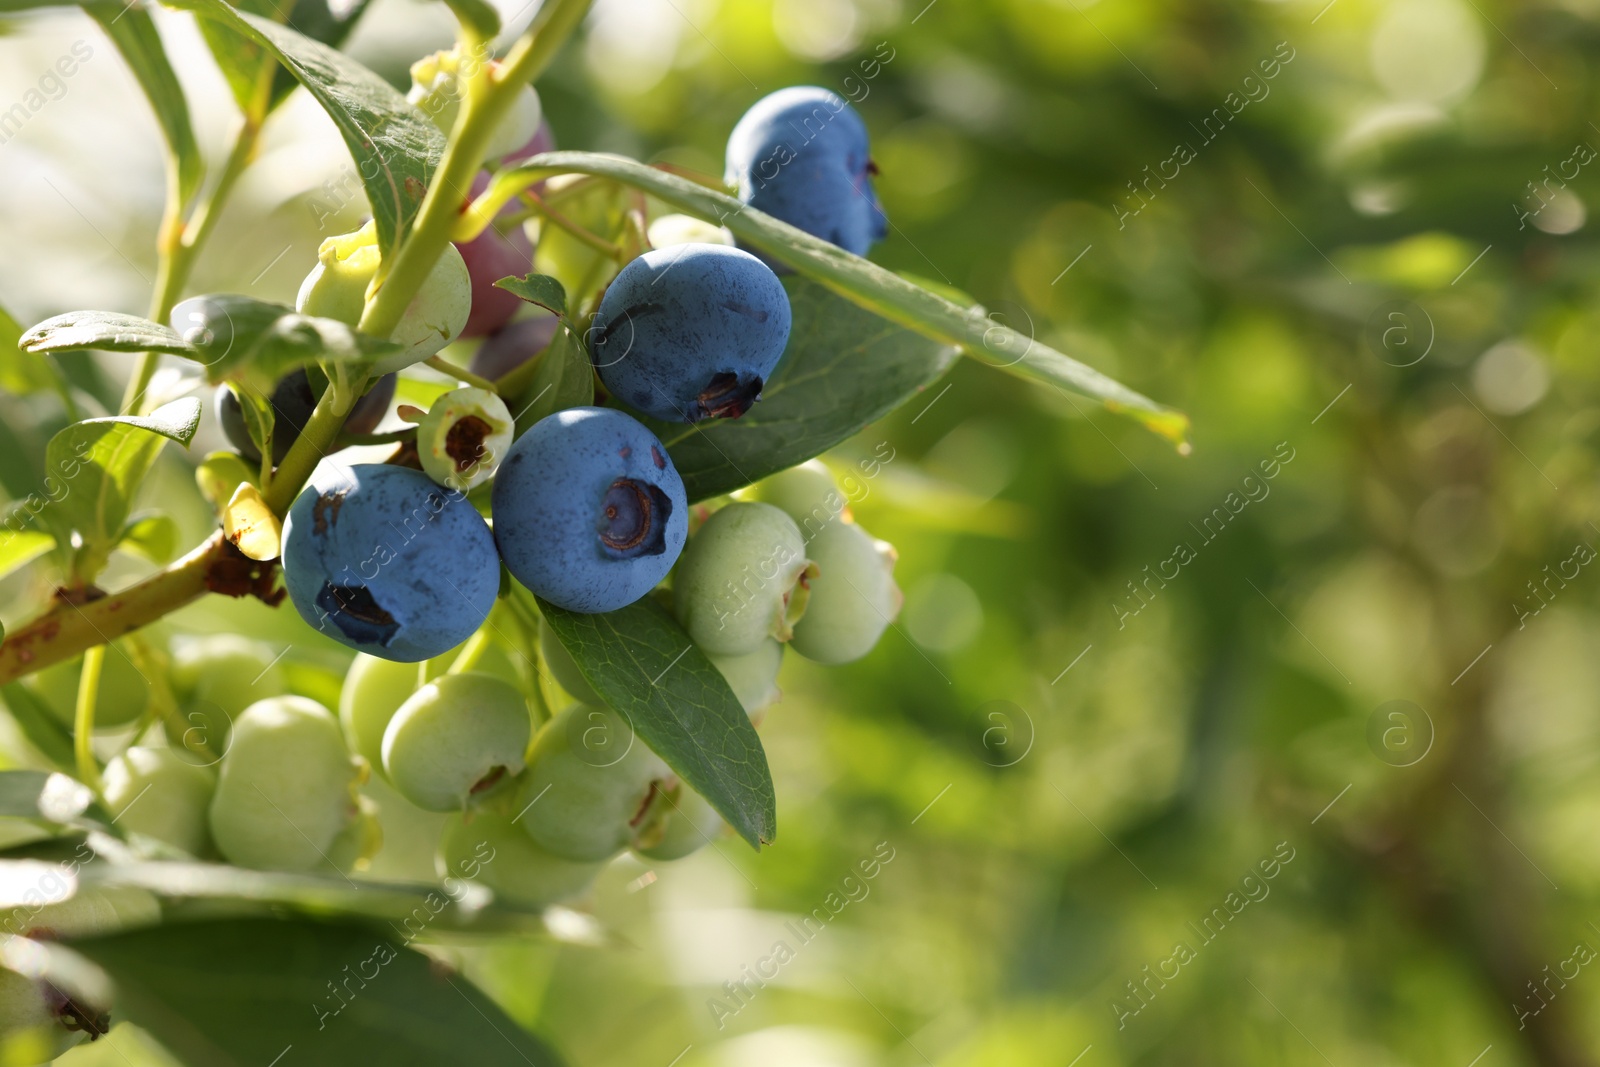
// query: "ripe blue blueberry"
[[382, 559], [691, 332], [801, 155], [293, 399], [589, 512]]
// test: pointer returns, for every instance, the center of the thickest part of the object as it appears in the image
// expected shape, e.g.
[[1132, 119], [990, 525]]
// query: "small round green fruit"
[[853, 596], [286, 788], [493, 850], [158, 793], [590, 781], [742, 579], [457, 739]]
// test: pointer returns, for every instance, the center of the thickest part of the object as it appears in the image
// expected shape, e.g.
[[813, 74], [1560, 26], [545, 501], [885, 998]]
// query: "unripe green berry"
[[741, 580], [686, 230], [373, 691], [493, 850], [807, 494], [214, 679], [337, 288], [159, 793], [124, 693], [589, 784], [565, 668], [682, 821], [853, 596], [463, 437], [286, 788], [436, 91], [455, 740], [753, 677]]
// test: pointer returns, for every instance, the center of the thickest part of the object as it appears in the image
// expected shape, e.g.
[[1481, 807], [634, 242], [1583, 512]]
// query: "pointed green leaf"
[[244, 62], [864, 283], [395, 146], [19, 374], [100, 464], [639, 659], [19, 547], [844, 368], [43, 730], [50, 796], [252, 992], [107, 331], [539, 289], [132, 30], [563, 379], [256, 342], [153, 536]]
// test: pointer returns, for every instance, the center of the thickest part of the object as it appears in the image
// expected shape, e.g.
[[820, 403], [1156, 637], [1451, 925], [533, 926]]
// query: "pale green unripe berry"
[[90, 911], [753, 677], [493, 850], [589, 784], [124, 692], [807, 494], [565, 668], [456, 739], [214, 679], [682, 822], [160, 794], [436, 91], [286, 788], [741, 580], [463, 437], [853, 596], [373, 691], [686, 230], [337, 288]]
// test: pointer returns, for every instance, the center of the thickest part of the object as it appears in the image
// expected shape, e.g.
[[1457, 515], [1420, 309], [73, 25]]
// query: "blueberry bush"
[[568, 576]]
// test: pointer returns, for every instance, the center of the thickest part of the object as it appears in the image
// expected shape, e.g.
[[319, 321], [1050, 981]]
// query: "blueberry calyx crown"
[[633, 519], [727, 396], [464, 442]]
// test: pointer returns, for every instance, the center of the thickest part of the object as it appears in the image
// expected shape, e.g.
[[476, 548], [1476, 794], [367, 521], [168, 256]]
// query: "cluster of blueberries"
[[588, 513]]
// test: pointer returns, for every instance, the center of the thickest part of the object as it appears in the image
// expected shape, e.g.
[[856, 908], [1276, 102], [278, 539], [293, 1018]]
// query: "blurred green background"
[[1350, 241]]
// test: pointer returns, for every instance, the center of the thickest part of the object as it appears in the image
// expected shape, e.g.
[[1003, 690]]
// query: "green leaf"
[[18, 548], [640, 660], [132, 30], [52, 797], [395, 146], [563, 379], [477, 16], [539, 289], [256, 342], [101, 463], [864, 283], [20, 375], [249, 992], [39, 725], [153, 536], [107, 331], [198, 889], [245, 63], [844, 368]]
